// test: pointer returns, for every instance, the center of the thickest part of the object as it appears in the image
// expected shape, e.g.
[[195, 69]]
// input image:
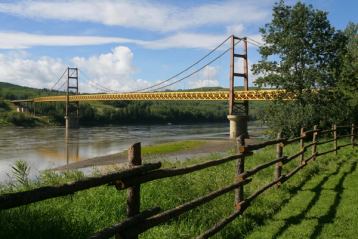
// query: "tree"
[[303, 55], [349, 75]]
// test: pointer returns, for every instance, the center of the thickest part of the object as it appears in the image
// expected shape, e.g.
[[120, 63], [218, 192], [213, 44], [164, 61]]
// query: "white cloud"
[[206, 78], [186, 40], [114, 70], [141, 14], [22, 40], [39, 73], [235, 29]]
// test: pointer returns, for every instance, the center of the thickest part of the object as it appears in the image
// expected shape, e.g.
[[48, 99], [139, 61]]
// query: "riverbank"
[[172, 151], [48, 148]]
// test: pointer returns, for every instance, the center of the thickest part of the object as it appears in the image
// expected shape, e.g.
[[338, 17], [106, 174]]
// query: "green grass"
[[162, 150], [318, 201], [14, 118], [9, 116], [171, 147], [325, 206]]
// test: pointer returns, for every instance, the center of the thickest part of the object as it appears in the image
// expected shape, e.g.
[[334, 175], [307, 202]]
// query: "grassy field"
[[319, 202]]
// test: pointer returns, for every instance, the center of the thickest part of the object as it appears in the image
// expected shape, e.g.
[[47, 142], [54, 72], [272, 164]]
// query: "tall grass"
[[20, 171]]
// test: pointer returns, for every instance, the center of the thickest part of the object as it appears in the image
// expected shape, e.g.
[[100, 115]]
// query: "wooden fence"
[[131, 179]]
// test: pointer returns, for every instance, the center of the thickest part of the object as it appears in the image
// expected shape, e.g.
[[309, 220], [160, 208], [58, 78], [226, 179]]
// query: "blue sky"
[[129, 45]]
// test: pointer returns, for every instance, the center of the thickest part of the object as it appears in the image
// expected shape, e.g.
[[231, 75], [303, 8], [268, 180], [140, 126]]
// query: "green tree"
[[349, 74], [302, 54]]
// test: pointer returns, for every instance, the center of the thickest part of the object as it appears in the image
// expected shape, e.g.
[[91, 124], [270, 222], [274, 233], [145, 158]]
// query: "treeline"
[[143, 112], [154, 112], [133, 112], [120, 112], [113, 112]]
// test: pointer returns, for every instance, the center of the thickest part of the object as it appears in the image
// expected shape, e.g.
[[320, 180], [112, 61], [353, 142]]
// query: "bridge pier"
[[20, 109], [72, 122], [238, 125]]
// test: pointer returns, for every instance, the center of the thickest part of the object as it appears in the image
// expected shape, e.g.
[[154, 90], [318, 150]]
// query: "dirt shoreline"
[[209, 147]]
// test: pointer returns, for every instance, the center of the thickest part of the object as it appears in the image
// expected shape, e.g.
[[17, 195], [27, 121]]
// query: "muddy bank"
[[208, 147]]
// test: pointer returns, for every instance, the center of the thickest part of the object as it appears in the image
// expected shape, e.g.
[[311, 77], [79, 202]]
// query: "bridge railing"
[[131, 179]]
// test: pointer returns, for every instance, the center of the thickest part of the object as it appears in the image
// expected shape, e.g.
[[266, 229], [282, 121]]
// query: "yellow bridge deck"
[[195, 96]]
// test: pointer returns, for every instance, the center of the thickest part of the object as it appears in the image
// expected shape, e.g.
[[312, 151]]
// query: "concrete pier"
[[72, 122], [238, 126], [21, 109]]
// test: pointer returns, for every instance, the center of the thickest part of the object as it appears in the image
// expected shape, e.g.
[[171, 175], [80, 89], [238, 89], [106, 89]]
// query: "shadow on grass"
[[260, 219], [331, 214], [294, 220], [293, 190]]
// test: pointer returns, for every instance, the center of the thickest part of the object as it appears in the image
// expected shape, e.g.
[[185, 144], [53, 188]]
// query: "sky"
[[130, 45]]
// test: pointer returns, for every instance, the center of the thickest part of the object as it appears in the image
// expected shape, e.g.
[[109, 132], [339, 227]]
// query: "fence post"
[[335, 138], [133, 193], [302, 145], [352, 136], [314, 141], [279, 154], [240, 168]]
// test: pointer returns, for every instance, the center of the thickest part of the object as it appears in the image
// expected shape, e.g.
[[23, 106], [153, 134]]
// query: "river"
[[45, 148]]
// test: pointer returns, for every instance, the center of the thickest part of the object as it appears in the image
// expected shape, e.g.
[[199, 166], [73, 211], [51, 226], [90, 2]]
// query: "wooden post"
[[314, 141], [302, 145], [133, 193], [239, 193], [133, 201], [335, 138], [352, 136], [279, 154]]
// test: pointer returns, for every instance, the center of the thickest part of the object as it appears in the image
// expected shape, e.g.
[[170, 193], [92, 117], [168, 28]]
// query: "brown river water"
[[46, 148]]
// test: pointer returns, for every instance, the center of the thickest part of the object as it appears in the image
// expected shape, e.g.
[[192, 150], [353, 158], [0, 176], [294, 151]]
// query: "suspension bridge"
[[238, 100], [252, 95]]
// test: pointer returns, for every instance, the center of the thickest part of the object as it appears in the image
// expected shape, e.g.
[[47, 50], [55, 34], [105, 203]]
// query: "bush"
[[20, 119], [4, 106]]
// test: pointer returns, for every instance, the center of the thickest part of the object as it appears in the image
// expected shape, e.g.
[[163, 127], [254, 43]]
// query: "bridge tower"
[[238, 111], [72, 108]]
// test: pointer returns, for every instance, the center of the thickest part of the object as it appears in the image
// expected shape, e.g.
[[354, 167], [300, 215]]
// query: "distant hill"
[[15, 92]]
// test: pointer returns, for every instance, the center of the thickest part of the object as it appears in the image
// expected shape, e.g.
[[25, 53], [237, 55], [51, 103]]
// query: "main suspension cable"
[[58, 80], [187, 68], [98, 86], [196, 71]]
